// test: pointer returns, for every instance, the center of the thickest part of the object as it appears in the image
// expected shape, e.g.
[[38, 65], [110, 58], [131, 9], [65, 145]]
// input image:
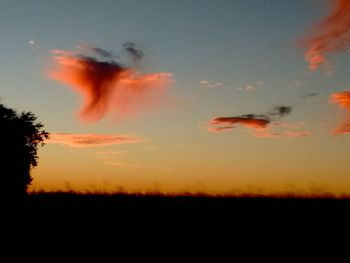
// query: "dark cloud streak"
[[103, 53], [280, 111], [308, 95], [134, 51], [253, 121]]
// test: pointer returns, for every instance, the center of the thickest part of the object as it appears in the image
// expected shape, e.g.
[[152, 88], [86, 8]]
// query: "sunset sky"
[[190, 95]]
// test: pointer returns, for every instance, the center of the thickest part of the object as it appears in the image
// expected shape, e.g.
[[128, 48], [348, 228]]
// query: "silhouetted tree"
[[20, 137]]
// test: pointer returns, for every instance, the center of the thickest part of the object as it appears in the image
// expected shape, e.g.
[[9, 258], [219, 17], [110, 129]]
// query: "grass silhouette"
[[97, 212], [121, 202]]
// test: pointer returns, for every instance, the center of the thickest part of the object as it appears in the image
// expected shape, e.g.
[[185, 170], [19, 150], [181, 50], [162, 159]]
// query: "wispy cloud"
[[133, 51], [32, 44], [287, 125], [112, 158], [331, 36], [284, 134], [209, 84], [253, 121], [218, 129], [103, 153], [279, 111], [309, 95], [261, 125], [296, 134], [92, 140], [251, 86], [343, 101], [295, 84], [106, 85], [267, 134]]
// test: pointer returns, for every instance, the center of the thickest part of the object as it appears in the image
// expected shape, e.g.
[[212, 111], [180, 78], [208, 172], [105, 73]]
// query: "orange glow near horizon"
[[290, 166]]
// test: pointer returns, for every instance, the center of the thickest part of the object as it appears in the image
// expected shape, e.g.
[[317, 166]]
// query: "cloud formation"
[[279, 111], [133, 51], [331, 36], [92, 140], [251, 87], [248, 120], [343, 101], [209, 84], [106, 85], [261, 126], [253, 121]]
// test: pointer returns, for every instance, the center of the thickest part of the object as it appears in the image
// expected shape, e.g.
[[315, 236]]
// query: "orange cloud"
[[332, 36], [219, 129], [106, 85], [249, 121], [92, 140], [343, 100], [252, 121], [261, 126]]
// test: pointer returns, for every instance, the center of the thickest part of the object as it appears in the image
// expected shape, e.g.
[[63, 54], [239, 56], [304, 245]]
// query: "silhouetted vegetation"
[[21, 136], [184, 204]]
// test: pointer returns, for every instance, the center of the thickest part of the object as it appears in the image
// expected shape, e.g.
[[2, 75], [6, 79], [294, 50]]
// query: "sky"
[[226, 96]]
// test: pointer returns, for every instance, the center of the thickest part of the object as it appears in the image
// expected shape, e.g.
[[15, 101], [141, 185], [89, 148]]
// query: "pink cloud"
[[331, 36], [249, 121], [107, 86], [92, 140], [261, 126], [343, 101]]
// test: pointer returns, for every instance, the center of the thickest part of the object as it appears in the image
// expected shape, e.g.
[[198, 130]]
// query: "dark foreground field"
[[103, 213], [152, 204]]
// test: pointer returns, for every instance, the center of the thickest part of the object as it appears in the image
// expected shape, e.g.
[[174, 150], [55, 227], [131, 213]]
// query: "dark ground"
[[120, 204], [82, 215]]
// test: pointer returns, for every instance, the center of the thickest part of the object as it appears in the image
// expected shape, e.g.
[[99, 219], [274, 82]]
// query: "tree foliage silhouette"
[[21, 136]]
